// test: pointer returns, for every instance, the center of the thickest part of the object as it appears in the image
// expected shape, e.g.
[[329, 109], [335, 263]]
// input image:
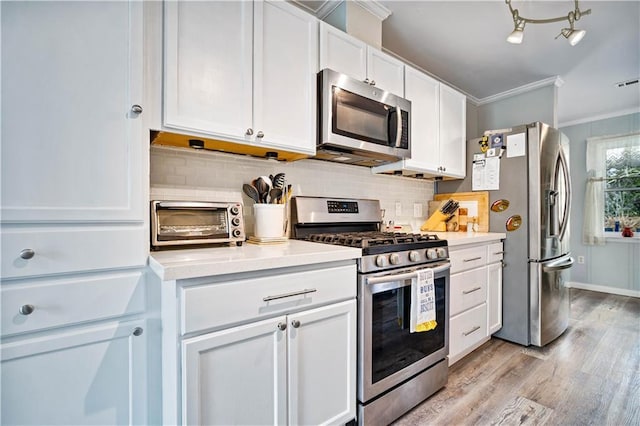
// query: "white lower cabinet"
[[283, 353], [93, 375], [476, 296]]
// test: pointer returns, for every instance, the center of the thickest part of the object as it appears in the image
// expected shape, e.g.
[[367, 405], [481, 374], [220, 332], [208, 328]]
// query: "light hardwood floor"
[[588, 376]]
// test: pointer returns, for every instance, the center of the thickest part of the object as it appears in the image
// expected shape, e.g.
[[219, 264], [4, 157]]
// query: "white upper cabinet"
[[438, 129], [346, 54], [72, 112], [242, 71]]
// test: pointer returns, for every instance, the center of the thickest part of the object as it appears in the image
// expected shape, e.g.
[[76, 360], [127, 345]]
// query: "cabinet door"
[[208, 67], [494, 297], [285, 68], [322, 365], [236, 376], [89, 376], [72, 145], [342, 52], [423, 92], [385, 71], [453, 113]]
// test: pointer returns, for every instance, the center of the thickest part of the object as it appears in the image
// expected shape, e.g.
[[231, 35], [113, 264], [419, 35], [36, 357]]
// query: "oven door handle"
[[404, 276]]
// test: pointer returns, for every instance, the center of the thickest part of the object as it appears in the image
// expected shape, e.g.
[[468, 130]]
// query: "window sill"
[[615, 237]]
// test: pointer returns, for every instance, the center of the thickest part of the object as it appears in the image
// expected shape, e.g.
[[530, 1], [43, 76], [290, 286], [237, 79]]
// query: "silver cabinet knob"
[[27, 254], [373, 82], [260, 134], [282, 326], [138, 331], [366, 80], [136, 109], [295, 323], [26, 309], [249, 131]]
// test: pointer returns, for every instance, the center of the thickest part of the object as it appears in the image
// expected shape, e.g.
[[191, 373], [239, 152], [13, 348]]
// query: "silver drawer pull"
[[472, 290], [499, 252], [295, 293], [474, 329], [26, 309], [472, 259]]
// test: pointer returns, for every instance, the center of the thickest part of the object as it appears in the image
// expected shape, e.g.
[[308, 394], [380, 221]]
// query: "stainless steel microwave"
[[189, 223], [360, 123]]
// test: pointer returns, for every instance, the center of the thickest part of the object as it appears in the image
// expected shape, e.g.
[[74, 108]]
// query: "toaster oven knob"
[[236, 233], [235, 210], [432, 253], [442, 252], [394, 258], [382, 261], [414, 256], [235, 221]]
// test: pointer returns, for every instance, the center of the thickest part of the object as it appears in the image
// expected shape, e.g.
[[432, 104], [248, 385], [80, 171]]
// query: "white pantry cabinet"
[[346, 54], [438, 129], [283, 353], [476, 296], [242, 72]]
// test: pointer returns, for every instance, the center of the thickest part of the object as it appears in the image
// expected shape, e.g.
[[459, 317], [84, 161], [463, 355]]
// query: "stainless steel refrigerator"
[[529, 202]]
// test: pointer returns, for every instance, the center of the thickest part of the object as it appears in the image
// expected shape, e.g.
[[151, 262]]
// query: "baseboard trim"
[[604, 289]]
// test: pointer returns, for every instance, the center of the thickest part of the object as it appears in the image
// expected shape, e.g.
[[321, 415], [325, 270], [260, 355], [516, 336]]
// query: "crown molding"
[[375, 8], [327, 7], [556, 81], [600, 117]]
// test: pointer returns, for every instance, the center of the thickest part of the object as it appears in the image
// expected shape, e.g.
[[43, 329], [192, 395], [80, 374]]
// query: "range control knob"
[[394, 258], [235, 210], [432, 253], [382, 261], [236, 233], [442, 252], [414, 256], [235, 221]]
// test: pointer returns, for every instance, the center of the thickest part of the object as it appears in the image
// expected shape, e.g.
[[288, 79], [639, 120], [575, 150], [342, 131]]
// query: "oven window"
[[188, 224], [361, 118], [393, 346]]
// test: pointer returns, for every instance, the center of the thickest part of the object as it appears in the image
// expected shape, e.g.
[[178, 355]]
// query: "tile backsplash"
[[181, 168]]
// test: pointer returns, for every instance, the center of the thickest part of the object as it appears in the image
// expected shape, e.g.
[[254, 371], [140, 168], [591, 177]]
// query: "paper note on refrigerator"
[[486, 174], [516, 145]]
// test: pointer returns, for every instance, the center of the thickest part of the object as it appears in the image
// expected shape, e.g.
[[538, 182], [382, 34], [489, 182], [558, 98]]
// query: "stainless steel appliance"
[[177, 223], [397, 369], [359, 123], [532, 206]]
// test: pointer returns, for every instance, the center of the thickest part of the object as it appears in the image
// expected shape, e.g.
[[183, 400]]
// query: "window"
[[612, 199]]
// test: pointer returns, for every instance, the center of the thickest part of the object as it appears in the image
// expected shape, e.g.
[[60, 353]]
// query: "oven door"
[[388, 353]]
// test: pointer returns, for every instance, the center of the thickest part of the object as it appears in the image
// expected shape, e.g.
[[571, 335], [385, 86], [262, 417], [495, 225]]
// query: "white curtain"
[[593, 227]]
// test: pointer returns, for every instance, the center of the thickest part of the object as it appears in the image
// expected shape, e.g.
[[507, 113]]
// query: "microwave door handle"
[[398, 124]]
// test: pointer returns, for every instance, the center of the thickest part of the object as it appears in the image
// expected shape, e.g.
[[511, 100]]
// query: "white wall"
[[614, 267], [184, 168]]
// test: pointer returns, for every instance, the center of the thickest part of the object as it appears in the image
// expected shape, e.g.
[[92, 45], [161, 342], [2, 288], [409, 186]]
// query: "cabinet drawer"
[[469, 258], [215, 305], [61, 250], [468, 289], [495, 252], [62, 302], [467, 329]]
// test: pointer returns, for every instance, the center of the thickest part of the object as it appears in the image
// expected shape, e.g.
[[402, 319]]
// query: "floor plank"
[[588, 376]]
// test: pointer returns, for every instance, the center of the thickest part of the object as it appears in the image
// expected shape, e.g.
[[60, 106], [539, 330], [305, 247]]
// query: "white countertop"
[[201, 262], [462, 238]]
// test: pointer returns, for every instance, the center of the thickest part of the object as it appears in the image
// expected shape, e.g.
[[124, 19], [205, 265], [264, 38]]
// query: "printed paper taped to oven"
[[423, 302]]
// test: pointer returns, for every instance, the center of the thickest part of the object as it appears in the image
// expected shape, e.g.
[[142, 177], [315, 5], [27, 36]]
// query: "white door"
[[285, 68], [342, 53], [207, 67], [71, 137], [453, 112], [236, 376], [385, 71], [87, 376], [494, 297], [322, 365], [424, 92]]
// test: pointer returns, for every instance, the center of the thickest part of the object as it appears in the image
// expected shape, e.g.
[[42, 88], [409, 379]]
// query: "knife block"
[[436, 222]]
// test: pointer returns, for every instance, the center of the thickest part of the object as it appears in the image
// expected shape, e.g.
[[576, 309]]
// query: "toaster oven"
[[189, 223]]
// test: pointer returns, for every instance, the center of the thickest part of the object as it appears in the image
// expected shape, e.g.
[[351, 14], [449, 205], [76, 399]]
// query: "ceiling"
[[464, 44]]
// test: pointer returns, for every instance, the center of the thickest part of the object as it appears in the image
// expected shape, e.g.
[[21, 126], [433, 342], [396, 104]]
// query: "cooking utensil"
[[263, 185], [278, 181], [274, 195], [251, 191]]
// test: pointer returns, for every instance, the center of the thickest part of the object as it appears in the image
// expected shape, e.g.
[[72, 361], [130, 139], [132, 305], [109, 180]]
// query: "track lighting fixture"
[[572, 34]]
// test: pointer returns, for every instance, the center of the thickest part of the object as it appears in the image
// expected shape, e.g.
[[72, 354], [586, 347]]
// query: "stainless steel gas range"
[[397, 369]]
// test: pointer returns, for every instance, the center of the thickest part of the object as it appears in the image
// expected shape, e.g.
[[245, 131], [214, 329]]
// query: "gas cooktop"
[[374, 242]]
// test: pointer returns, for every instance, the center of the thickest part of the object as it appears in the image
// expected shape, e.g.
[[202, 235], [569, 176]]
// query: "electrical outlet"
[[398, 209], [417, 210], [580, 259]]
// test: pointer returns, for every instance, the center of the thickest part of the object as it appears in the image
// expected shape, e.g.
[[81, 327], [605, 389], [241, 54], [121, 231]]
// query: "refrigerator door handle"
[[564, 263], [567, 198]]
